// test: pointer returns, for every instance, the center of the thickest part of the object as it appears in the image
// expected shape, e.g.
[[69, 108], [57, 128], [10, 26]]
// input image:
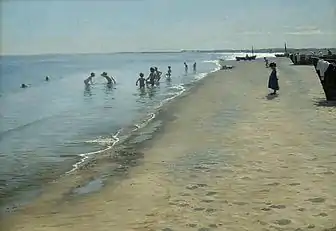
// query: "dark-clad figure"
[[185, 67], [273, 79], [266, 62]]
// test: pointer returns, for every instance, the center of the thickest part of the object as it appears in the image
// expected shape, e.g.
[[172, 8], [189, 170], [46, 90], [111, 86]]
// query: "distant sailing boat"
[[283, 54], [252, 57], [286, 49]]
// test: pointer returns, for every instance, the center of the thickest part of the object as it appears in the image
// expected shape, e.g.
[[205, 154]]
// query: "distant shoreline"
[[262, 50]]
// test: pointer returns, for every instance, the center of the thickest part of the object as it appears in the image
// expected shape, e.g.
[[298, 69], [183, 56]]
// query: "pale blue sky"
[[76, 26]]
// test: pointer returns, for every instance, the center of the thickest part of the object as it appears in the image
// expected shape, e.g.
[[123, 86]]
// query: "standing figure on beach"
[[88, 80], [108, 78], [168, 75], [273, 79], [194, 67], [185, 67], [157, 74], [266, 62], [141, 80], [151, 77]]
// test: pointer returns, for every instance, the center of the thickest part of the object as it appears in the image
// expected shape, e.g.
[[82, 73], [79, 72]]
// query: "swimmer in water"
[[151, 77], [141, 80], [185, 67], [157, 74], [89, 81], [108, 78], [168, 75], [24, 85], [47, 78]]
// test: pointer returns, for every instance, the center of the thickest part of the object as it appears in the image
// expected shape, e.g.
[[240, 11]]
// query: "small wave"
[[200, 76], [145, 122], [178, 87], [101, 141], [85, 156], [216, 62], [181, 89]]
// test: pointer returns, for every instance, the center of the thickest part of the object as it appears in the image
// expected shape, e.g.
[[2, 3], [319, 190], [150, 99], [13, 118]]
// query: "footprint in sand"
[[317, 200], [330, 229], [294, 184], [283, 222], [273, 184], [191, 225], [199, 209], [210, 210], [211, 193], [321, 215], [201, 167], [185, 194], [183, 205], [192, 187], [278, 206], [207, 201], [239, 203], [202, 185], [328, 173], [213, 226], [203, 229]]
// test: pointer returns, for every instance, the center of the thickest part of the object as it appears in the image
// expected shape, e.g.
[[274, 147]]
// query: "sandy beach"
[[224, 157]]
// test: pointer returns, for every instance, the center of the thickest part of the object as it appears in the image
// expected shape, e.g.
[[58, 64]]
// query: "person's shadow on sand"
[[271, 96], [325, 103]]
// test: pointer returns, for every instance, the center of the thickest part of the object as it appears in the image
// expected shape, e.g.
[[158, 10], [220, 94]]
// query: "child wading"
[[141, 80], [273, 79]]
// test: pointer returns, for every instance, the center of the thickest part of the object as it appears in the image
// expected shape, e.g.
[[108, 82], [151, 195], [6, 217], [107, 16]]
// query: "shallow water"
[[51, 127]]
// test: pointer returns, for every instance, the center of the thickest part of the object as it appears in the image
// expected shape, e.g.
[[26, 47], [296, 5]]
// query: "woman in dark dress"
[[273, 79]]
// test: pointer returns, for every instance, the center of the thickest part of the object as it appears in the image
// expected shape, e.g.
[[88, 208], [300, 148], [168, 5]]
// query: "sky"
[[104, 26]]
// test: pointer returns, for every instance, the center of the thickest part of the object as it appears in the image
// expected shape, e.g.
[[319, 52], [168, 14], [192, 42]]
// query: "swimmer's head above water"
[[92, 74]]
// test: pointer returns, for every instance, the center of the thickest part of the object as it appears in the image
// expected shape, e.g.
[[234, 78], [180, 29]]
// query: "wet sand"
[[227, 157]]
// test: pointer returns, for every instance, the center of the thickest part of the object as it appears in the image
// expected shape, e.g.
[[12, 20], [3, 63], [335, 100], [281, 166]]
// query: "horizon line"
[[173, 51]]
